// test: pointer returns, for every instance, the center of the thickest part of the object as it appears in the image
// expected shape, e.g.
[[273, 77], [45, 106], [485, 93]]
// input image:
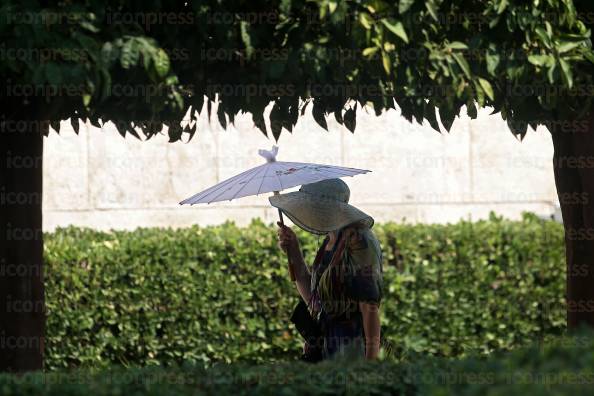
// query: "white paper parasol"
[[273, 176]]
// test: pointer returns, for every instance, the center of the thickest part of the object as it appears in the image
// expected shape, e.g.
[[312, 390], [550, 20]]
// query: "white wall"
[[100, 180]]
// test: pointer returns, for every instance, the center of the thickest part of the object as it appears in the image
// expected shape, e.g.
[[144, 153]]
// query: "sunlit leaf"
[[397, 28]]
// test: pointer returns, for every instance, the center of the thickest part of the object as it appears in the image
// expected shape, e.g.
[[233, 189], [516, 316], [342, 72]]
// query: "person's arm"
[[302, 275], [290, 244], [372, 328]]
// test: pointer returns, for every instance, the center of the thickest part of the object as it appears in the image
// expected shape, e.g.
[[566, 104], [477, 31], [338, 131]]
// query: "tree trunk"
[[22, 305], [573, 163]]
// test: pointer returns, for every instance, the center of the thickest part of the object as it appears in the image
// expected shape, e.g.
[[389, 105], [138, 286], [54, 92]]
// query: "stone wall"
[[98, 179]]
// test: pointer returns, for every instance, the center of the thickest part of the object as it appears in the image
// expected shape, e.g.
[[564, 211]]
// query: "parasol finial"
[[270, 155]]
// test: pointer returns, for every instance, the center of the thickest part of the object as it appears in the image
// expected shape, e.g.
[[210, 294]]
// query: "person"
[[343, 288]]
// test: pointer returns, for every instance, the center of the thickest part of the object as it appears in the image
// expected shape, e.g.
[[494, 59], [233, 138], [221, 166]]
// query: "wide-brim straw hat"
[[321, 207]]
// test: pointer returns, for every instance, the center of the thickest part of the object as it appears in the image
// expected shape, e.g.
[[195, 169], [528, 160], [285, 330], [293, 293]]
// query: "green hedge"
[[563, 367], [222, 293]]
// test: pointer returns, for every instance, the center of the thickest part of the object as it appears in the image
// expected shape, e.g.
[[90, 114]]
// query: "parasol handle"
[[280, 215], [291, 271]]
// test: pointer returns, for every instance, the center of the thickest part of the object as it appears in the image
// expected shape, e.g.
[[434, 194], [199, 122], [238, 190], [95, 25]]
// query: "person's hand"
[[287, 240]]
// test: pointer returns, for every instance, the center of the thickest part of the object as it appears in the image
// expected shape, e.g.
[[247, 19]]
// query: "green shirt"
[[358, 278]]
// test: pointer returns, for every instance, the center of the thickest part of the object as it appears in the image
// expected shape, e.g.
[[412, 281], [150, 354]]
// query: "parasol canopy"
[[273, 176]]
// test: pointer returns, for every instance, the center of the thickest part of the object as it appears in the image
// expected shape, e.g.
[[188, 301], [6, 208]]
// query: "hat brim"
[[318, 215]]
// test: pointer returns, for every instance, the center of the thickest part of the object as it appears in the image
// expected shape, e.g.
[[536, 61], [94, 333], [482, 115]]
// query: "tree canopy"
[[145, 64]]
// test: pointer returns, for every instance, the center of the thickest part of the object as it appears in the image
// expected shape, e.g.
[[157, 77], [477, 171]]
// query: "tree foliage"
[[146, 64]]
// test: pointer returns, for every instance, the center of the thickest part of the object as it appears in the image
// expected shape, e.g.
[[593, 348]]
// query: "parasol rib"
[[249, 181], [204, 194]]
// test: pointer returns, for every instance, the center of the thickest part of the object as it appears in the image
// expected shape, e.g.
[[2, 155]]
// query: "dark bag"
[[311, 331]]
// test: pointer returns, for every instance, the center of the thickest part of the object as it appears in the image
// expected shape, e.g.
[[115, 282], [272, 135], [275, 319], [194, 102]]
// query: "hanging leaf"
[[502, 6], [486, 85], [350, 118], [370, 51], [208, 109], [86, 98], [404, 5], [366, 20], [293, 115], [246, 39], [198, 103], [457, 45], [429, 112], [338, 117], [89, 26], [518, 127], [304, 107], [221, 116], [95, 122], [75, 124], [55, 124], [566, 73], [386, 62], [332, 5], [397, 28], [259, 122], [192, 130], [132, 131], [105, 83], [568, 46], [480, 93], [276, 125], [319, 116], [432, 10], [551, 73], [541, 60], [179, 101], [122, 129], [471, 110], [175, 133], [544, 37], [461, 61], [447, 116], [129, 54], [493, 22], [161, 62], [589, 55], [493, 60]]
